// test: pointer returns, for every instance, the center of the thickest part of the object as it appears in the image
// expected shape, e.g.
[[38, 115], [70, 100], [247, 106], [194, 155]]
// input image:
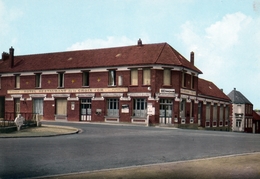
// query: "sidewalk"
[[43, 131], [228, 167]]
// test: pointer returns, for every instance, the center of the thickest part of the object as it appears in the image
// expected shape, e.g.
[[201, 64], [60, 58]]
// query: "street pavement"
[[125, 151]]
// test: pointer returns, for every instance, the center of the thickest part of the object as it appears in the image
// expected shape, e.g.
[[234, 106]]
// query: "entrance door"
[[85, 109], [166, 111]]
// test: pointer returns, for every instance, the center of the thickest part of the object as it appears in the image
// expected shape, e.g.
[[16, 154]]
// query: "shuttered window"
[[61, 107], [167, 76], [146, 76], [134, 77], [17, 81]]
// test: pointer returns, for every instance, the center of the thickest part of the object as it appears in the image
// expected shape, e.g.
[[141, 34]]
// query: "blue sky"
[[224, 34]]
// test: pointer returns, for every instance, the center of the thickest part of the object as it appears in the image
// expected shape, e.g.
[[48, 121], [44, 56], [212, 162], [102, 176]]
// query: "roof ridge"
[[160, 52]]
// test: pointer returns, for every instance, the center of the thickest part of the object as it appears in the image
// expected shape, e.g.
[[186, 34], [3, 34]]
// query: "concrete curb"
[[43, 131]]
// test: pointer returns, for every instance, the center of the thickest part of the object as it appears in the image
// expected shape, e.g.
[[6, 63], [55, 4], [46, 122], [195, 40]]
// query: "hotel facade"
[[140, 84]]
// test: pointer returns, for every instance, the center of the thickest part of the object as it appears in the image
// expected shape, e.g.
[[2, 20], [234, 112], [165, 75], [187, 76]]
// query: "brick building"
[[132, 84]]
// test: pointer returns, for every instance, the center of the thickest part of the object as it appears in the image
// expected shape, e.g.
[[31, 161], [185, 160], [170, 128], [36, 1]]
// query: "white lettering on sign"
[[74, 90], [150, 109], [162, 90], [190, 92]]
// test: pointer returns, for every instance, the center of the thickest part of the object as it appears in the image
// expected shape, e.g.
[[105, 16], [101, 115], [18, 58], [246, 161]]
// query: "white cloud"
[[227, 52], [7, 17], [223, 34], [3, 22], [103, 43]]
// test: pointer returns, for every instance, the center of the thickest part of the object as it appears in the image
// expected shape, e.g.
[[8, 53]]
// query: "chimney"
[[5, 56], [192, 58], [139, 42], [11, 52]]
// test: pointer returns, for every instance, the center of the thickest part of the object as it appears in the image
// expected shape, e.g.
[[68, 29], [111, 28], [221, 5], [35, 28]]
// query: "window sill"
[[146, 85], [111, 86], [136, 117]]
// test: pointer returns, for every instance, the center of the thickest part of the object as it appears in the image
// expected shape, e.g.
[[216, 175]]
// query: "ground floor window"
[[38, 106], [85, 106], [61, 107], [166, 111], [85, 109], [112, 107], [238, 123], [165, 107], [140, 107]]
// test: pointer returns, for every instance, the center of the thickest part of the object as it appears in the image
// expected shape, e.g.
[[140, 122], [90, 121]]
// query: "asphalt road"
[[112, 146]]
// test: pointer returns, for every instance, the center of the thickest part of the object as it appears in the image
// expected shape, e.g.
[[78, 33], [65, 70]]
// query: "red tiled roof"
[[207, 88], [256, 116], [147, 54]]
